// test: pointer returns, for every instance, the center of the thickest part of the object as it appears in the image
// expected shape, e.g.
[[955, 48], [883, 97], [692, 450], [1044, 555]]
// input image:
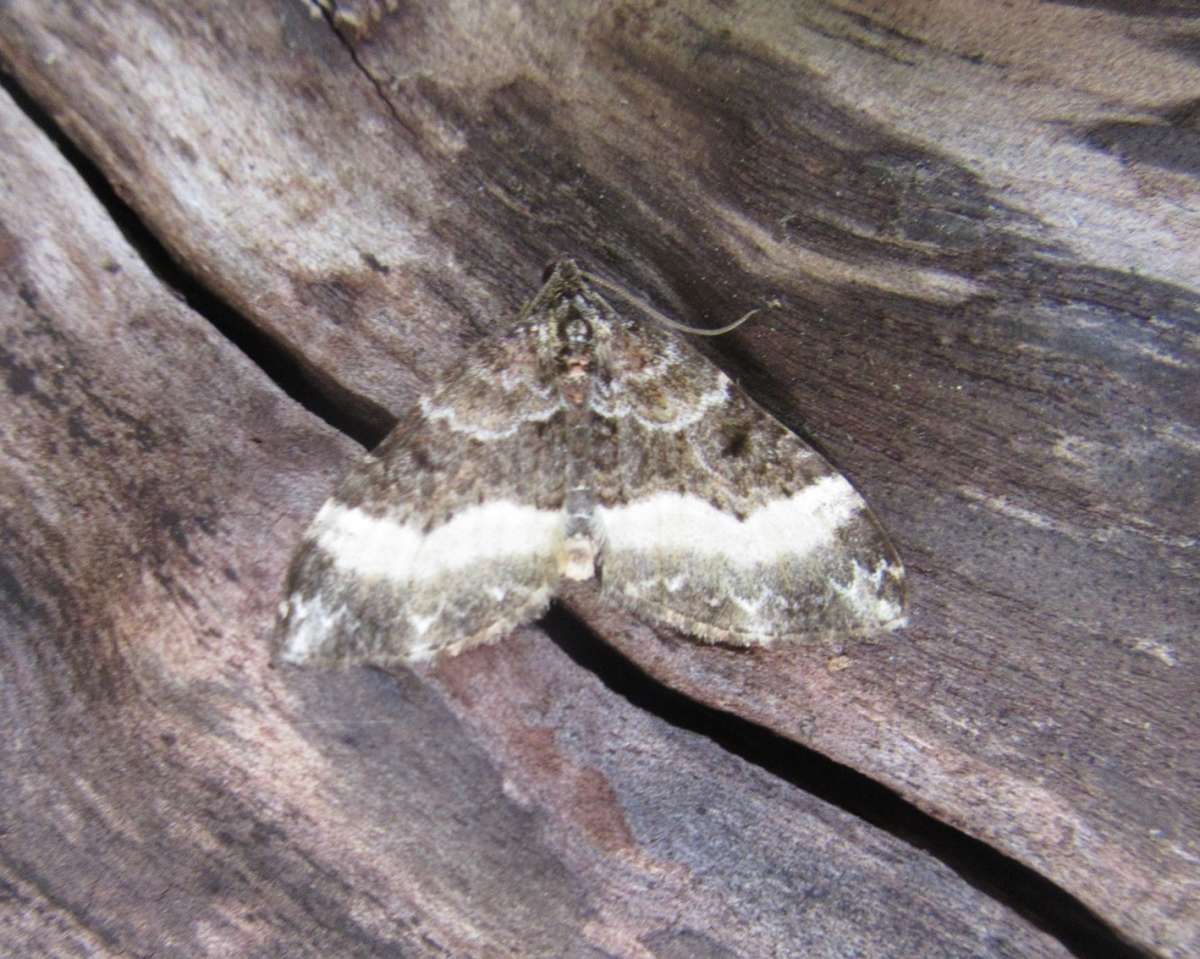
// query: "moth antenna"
[[662, 318]]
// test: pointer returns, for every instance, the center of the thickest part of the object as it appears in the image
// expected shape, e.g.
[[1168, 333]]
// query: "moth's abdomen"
[[581, 544]]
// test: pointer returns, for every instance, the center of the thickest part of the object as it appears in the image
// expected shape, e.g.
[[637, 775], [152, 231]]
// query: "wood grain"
[[979, 225]]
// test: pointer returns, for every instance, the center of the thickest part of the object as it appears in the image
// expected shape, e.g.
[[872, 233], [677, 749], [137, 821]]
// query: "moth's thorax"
[[573, 320]]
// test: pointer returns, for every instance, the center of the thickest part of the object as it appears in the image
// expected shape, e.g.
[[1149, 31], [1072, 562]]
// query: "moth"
[[580, 444]]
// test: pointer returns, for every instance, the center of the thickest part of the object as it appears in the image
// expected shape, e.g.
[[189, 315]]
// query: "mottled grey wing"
[[719, 521], [448, 533]]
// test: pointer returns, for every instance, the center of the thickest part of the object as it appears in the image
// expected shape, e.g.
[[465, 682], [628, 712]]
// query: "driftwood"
[[237, 239]]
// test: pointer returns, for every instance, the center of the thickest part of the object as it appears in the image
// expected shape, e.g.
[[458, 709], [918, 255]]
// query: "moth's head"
[[561, 268], [561, 279], [565, 294]]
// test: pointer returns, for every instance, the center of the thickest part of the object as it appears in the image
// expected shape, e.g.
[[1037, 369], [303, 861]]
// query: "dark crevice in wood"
[[329, 13], [264, 351], [1030, 895]]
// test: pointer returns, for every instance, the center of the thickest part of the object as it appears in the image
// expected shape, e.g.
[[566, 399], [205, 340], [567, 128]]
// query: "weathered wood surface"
[[982, 233], [168, 793]]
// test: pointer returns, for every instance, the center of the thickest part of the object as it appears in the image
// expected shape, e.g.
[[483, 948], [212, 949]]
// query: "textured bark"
[[979, 225]]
